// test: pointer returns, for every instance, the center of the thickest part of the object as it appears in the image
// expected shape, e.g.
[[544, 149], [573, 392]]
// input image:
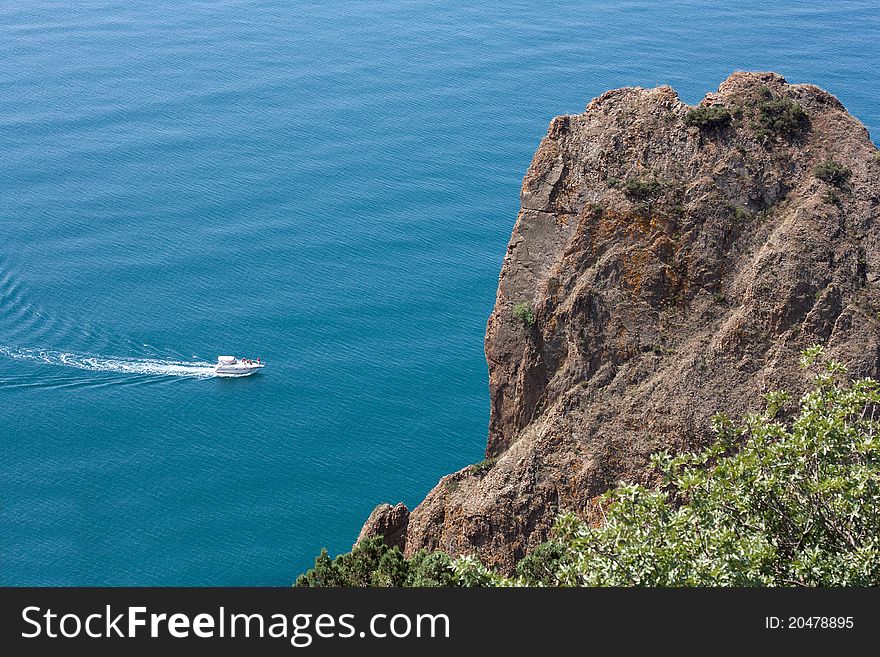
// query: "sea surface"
[[329, 186]]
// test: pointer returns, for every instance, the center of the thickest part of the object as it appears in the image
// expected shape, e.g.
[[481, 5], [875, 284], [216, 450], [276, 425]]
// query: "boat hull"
[[236, 370]]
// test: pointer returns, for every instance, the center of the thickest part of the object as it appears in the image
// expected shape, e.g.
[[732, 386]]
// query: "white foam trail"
[[90, 362]]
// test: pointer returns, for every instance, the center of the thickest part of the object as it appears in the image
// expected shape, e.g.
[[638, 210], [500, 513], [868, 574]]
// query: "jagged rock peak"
[[389, 522]]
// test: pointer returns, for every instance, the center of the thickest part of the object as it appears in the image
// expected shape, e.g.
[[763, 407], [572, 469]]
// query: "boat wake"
[[24, 323], [93, 363]]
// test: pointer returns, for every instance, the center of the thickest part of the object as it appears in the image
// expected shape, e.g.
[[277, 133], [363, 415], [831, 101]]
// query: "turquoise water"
[[329, 186]]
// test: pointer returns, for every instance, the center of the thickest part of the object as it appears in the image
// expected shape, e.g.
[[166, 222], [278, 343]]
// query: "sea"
[[328, 186]]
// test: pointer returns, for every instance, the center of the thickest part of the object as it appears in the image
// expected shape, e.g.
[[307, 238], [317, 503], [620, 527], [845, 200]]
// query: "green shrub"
[[354, 568], [739, 213], [371, 563], [524, 313], [430, 569], [776, 400], [639, 189], [832, 173], [876, 156], [483, 466], [706, 118], [539, 568], [393, 569], [782, 117]]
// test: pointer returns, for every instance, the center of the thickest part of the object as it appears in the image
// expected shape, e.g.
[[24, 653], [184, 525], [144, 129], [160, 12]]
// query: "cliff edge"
[[668, 262]]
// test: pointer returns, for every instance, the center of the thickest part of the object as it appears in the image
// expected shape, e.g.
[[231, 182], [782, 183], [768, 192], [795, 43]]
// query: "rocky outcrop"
[[388, 522], [663, 268]]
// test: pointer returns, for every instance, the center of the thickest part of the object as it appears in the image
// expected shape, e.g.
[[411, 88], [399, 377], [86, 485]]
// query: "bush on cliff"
[[833, 173], [372, 563], [782, 117], [706, 118], [638, 189], [524, 313]]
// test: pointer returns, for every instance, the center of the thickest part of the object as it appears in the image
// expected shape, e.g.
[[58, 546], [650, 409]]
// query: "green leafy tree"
[[393, 569], [430, 569], [323, 574], [540, 567], [468, 571]]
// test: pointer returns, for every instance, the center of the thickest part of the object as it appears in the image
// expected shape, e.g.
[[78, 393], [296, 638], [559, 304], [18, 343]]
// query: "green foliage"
[[483, 466], [322, 574], [713, 117], [452, 485], [739, 213], [811, 355], [776, 401], [539, 568], [639, 189], [832, 173], [355, 568], [430, 569], [393, 569], [769, 504], [876, 156], [781, 117], [470, 572], [371, 563], [523, 312]]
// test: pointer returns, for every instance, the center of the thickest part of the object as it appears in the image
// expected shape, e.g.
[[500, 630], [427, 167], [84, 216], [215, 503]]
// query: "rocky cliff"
[[668, 262]]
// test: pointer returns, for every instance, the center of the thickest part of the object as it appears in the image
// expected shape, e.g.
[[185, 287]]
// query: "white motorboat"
[[232, 366]]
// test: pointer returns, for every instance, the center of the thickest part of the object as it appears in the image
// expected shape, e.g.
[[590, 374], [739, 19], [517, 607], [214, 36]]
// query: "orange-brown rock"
[[674, 271], [389, 522]]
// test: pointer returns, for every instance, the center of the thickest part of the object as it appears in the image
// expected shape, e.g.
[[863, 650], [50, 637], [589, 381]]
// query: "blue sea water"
[[327, 185]]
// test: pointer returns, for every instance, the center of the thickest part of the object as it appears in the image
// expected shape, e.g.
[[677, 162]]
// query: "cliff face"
[[675, 267]]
